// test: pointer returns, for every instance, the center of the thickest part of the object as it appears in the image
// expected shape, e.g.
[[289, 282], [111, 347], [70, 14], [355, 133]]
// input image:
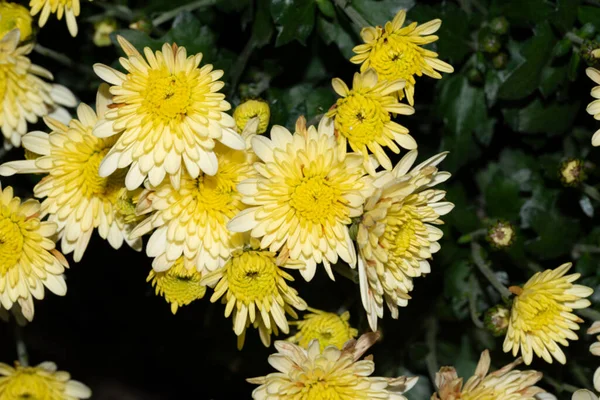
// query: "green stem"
[[559, 387], [580, 375], [21, 348], [164, 17], [487, 272], [351, 12], [431, 358], [240, 65], [62, 59], [473, 302], [589, 313], [469, 237], [574, 38], [347, 272]]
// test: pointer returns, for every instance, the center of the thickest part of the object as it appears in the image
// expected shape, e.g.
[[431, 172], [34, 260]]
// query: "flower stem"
[[559, 387], [166, 16], [21, 348], [62, 59], [473, 302], [240, 65], [574, 38], [469, 237], [486, 270], [431, 358], [351, 12]]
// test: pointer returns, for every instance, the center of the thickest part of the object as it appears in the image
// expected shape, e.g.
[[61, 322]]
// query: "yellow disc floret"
[[541, 317], [395, 52], [250, 109], [13, 15], [178, 285], [42, 382], [255, 289], [329, 329], [363, 118]]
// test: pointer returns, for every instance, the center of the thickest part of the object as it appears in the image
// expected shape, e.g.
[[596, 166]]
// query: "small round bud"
[[15, 16], [589, 53], [572, 172], [501, 235], [500, 60], [496, 320], [490, 43], [142, 25], [102, 31], [250, 109], [499, 26], [475, 76]]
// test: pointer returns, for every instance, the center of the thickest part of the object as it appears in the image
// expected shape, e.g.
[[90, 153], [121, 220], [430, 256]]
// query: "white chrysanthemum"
[[24, 96], [312, 374], [77, 199], [595, 350], [192, 221], [594, 107], [307, 191], [396, 236], [170, 113]]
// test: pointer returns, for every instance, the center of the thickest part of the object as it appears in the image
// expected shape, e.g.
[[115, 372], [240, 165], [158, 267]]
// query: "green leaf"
[[262, 29], [326, 7], [523, 12], [502, 198], [565, 15], [455, 277], [589, 15], [319, 101], [294, 19], [526, 78], [461, 118], [542, 117], [378, 12], [334, 33], [187, 31], [552, 79], [573, 68], [138, 39]]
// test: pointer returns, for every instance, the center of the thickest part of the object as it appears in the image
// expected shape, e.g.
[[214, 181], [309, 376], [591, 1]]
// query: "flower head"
[[594, 107], [13, 15], [254, 288], [595, 350], [503, 384], [496, 320], [330, 329], [501, 234], [363, 118], [394, 52], [541, 316], [24, 97], [77, 199], [192, 221], [396, 233], [178, 285], [312, 374], [69, 8], [169, 112], [305, 195], [28, 259], [584, 394], [250, 109], [40, 382], [572, 172]]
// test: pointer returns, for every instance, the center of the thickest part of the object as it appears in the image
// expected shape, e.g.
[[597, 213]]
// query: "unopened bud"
[[102, 31], [501, 235], [572, 172], [496, 320]]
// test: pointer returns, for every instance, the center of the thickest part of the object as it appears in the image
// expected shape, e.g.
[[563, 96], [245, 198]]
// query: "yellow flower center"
[[314, 199], [394, 57], [400, 230], [321, 390], [180, 286], [537, 311], [328, 328], [11, 239], [167, 96], [360, 118], [29, 384], [15, 16], [253, 275]]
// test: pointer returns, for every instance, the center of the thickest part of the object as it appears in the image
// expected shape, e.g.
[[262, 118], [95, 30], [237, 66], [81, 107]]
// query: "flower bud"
[[589, 53], [250, 109], [501, 235], [572, 172], [102, 31], [15, 16], [490, 43], [499, 25], [496, 320]]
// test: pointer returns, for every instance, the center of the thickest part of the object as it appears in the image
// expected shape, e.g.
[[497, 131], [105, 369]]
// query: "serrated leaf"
[[542, 117], [187, 31], [378, 12], [295, 20], [334, 33]]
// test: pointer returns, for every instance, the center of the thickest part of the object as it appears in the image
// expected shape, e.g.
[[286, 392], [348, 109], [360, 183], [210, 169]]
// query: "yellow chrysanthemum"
[[312, 374], [169, 112], [594, 107], [503, 384], [363, 118], [394, 52], [595, 350], [330, 329], [28, 259], [42, 382], [541, 316], [13, 15], [179, 285], [24, 97], [307, 192], [250, 109], [69, 8], [77, 199], [192, 220], [255, 290], [396, 236]]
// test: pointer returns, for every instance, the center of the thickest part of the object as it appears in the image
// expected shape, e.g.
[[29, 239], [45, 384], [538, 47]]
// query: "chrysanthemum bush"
[[301, 183]]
